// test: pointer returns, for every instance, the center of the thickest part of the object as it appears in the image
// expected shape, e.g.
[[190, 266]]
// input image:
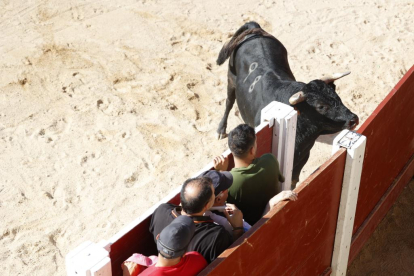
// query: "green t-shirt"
[[254, 186]]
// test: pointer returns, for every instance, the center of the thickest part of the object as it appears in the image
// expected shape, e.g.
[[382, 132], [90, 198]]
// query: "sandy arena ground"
[[106, 106]]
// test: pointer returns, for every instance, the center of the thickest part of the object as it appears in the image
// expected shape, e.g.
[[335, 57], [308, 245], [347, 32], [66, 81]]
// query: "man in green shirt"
[[255, 180]]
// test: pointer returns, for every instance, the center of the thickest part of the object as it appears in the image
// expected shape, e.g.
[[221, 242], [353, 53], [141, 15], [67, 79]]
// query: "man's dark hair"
[[194, 203], [241, 140]]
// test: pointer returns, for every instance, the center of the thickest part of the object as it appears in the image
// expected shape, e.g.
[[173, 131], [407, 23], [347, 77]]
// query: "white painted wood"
[[105, 245], [283, 118], [70, 265], [289, 149], [278, 140], [103, 268], [86, 256], [335, 145], [347, 207]]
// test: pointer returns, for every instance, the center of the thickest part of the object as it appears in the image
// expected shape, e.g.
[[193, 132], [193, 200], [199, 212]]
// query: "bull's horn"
[[334, 77], [297, 98]]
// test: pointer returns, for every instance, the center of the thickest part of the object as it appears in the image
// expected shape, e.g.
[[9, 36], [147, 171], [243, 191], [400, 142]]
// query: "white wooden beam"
[[88, 259], [355, 144], [103, 268], [283, 118], [289, 148]]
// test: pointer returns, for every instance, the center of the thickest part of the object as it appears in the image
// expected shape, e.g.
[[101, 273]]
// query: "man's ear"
[[251, 150]]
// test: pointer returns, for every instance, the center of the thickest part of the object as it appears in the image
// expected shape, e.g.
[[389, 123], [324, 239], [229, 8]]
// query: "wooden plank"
[[380, 210], [390, 144], [264, 140], [294, 236], [283, 118], [347, 207], [289, 149], [103, 268]]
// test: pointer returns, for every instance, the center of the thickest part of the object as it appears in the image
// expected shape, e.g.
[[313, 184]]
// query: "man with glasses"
[[232, 216]]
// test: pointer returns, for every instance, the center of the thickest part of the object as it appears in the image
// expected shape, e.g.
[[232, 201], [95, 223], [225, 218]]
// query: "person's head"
[[197, 195], [221, 182], [242, 141], [173, 240]]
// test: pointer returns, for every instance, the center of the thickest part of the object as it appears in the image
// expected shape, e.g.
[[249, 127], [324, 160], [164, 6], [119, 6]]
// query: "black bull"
[[259, 73]]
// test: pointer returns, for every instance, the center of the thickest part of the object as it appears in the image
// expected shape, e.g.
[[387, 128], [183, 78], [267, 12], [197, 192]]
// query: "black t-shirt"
[[210, 239]]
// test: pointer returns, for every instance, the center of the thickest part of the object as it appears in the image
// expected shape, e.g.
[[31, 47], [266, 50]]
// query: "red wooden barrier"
[[296, 238], [390, 146], [138, 240]]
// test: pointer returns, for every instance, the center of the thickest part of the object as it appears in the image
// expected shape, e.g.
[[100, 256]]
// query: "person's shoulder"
[[267, 158], [164, 208], [152, 271], [213, 229], [195, 256], [222, 233]]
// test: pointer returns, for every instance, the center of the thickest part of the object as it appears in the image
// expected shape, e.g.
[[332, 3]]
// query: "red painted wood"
[[380, 210], [138, 240], [390, 144], [264, 141], [328, 271], [296, 237]]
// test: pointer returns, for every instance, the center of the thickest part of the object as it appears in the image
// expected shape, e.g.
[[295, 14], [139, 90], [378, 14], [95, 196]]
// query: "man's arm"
[[160, 219], [284, 195], [235, 219], [221, 163]]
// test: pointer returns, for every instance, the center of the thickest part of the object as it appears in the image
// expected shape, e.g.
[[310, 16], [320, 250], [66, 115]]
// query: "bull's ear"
[[297, 98], [334, 77]]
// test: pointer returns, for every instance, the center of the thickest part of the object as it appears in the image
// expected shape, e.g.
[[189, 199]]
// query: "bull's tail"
[[238, 37]]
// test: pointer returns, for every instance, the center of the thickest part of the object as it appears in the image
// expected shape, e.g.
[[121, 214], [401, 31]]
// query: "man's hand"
[[285, 195], [233, 215], [221, 163]]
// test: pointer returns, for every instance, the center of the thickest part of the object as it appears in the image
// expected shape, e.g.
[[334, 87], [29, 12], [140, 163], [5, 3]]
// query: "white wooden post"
[[283, 118], [355, 144], [89, 259]]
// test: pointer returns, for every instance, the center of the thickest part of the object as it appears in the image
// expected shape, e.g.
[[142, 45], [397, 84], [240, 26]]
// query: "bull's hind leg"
[[231, 97]]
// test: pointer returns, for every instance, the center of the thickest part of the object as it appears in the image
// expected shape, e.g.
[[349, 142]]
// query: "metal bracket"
[[349, 139]]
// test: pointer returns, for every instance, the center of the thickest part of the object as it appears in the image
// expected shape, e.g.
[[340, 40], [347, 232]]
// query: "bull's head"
[[319, 102]]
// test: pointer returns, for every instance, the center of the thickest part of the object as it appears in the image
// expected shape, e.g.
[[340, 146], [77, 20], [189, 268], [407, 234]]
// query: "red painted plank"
[[328, 271], [390, 144], [296, 237], [380, 210], [264, 141], [138, 240]]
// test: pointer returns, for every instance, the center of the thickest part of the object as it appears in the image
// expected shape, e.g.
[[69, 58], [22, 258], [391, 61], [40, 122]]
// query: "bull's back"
[[261, 64], [270, 53]]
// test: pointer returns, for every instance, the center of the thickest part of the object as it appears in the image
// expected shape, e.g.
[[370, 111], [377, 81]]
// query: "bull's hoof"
[[294, 183], [221, 136]]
